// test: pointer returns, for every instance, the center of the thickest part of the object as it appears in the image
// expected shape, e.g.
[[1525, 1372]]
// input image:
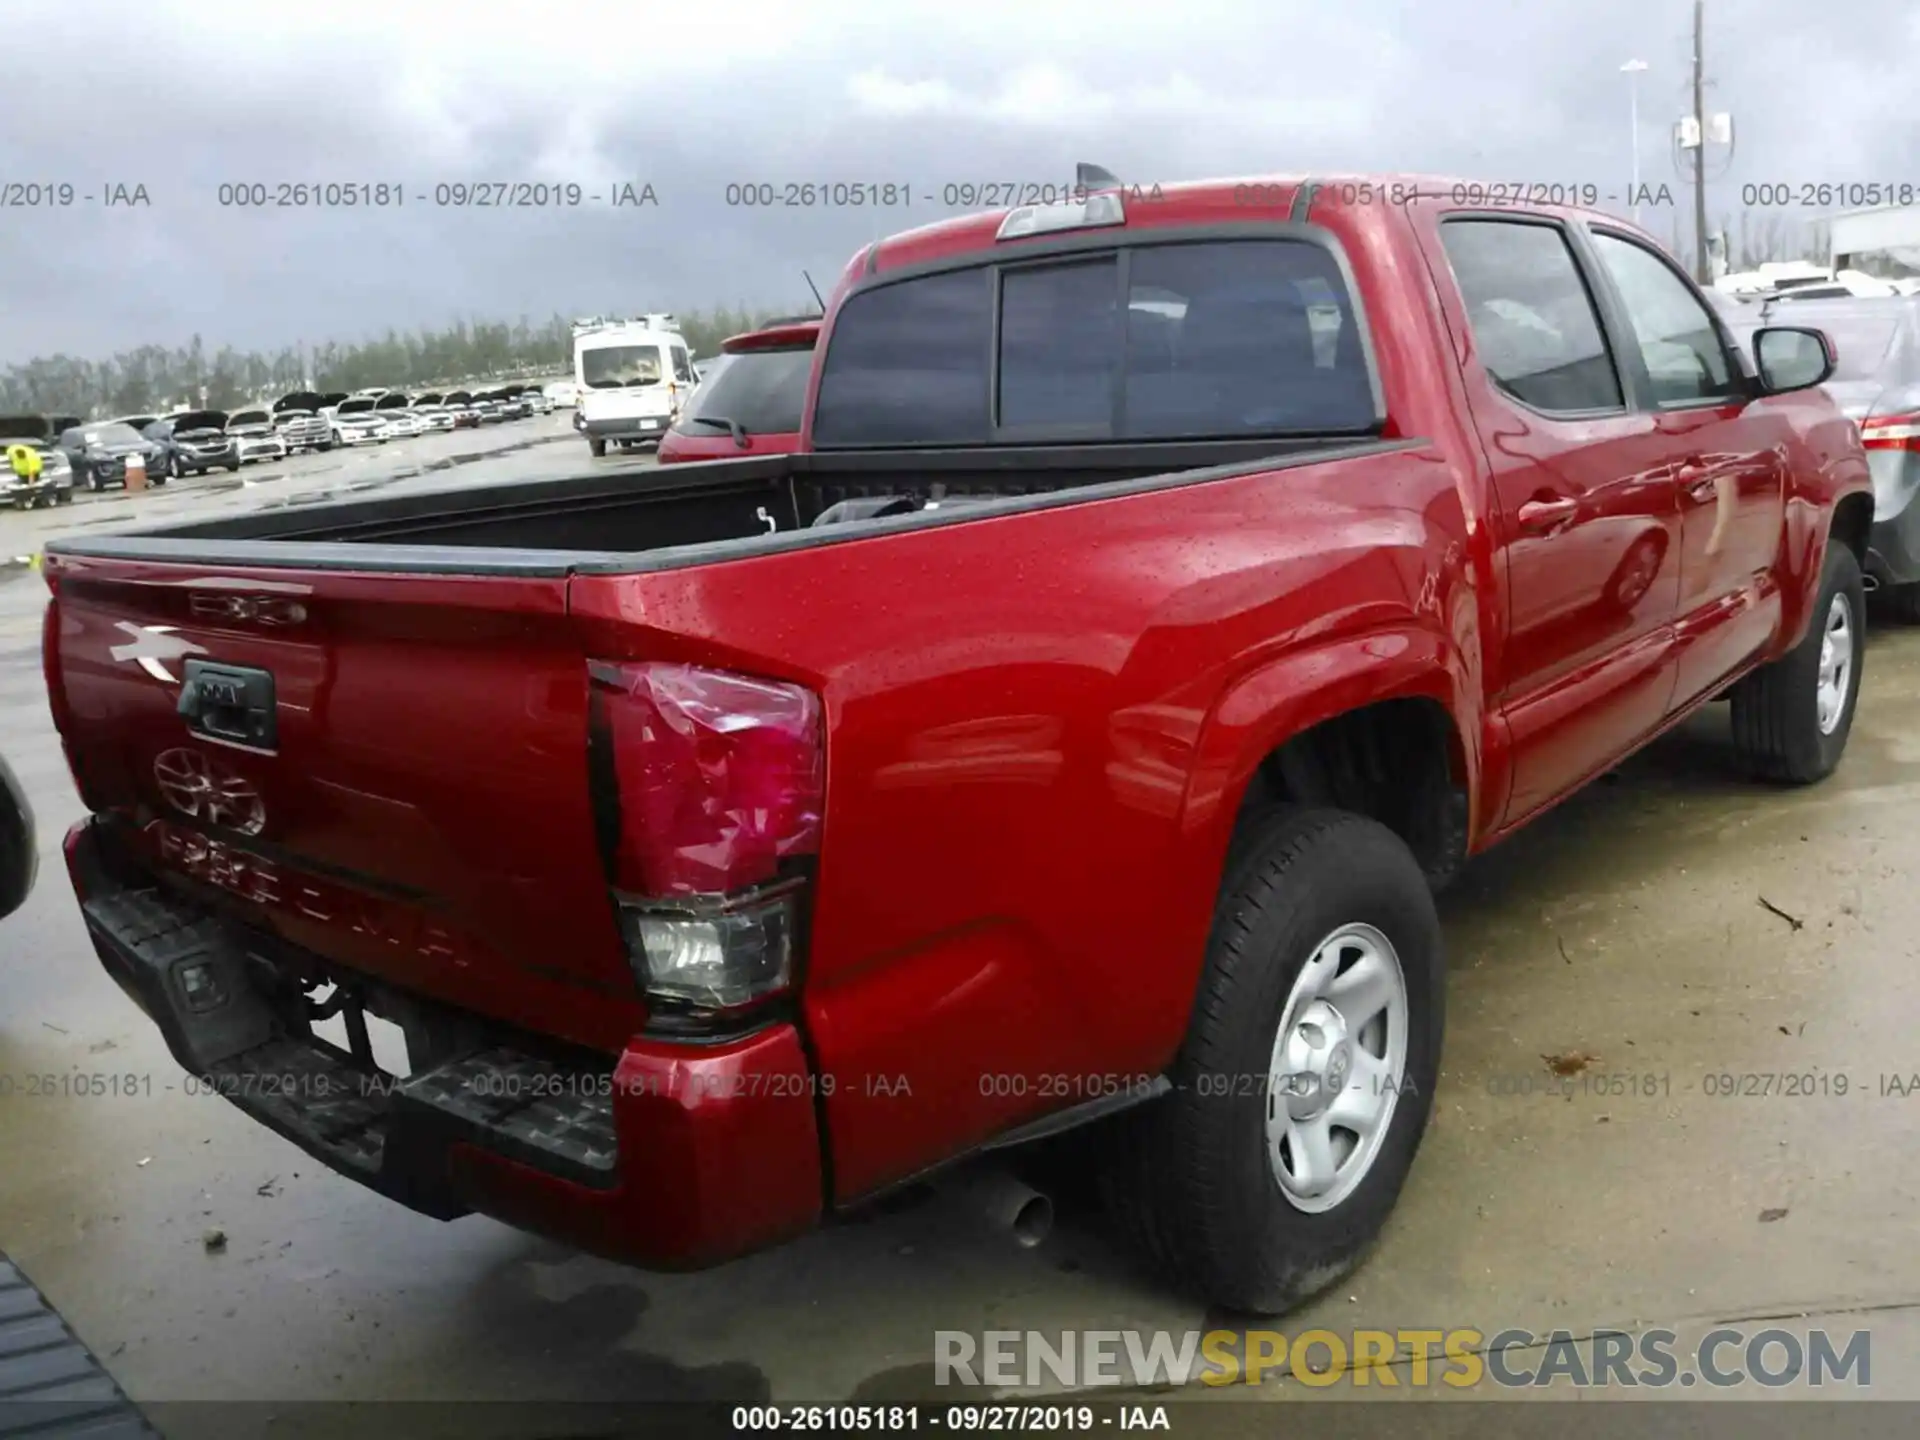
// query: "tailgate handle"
[[233, 703]]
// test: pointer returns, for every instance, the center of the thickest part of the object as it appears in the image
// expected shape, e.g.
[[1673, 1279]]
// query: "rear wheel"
[[1791, 718], [1304, 1085], [598, 447]]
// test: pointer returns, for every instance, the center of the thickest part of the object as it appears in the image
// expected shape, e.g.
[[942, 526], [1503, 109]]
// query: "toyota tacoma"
[[1169, 594]]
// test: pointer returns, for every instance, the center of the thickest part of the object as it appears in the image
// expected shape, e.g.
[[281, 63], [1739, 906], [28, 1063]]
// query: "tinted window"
[[1534, 324], [1684, 356], [1215, 339], [1060, 346], [907, 364], [764, 391], [1242, 338]]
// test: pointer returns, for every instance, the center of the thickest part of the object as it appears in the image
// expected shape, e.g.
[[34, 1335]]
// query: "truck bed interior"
[[604, 516]]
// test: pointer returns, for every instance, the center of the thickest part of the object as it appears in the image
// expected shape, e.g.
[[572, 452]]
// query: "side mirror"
[[1792, 358]]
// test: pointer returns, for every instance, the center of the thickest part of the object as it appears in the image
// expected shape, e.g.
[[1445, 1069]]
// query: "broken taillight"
[[716, 783]]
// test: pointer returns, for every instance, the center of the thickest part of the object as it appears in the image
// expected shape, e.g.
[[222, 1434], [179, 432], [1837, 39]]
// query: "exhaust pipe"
[[1012, 1207]]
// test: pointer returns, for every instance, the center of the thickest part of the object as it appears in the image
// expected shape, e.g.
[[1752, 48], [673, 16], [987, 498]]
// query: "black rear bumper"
[[220, 993]]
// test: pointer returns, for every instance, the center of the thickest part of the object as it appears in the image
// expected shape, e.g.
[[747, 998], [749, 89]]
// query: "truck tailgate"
[[389, 771]]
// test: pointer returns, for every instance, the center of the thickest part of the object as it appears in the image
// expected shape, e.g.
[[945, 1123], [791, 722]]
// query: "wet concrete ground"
[[1672, 924]]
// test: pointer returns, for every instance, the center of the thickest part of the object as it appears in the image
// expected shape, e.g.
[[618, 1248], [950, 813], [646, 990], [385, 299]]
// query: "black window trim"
[[1603, 314], [1745, 386], [1121, 243]]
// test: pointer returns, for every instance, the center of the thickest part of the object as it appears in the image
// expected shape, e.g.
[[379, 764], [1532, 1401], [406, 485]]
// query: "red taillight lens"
[[720, 776], [718, 783], [1891, 432]]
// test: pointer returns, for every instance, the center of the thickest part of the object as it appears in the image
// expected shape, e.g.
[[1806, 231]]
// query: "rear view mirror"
[[1792, 358]]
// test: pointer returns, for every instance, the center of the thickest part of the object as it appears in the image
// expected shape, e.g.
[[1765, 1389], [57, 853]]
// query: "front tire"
[[1791, 718], [598, 447], [1305, 1082]]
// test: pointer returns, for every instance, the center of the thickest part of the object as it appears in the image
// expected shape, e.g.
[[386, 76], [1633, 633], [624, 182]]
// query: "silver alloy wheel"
[[1339, 1060], [1836, 665]]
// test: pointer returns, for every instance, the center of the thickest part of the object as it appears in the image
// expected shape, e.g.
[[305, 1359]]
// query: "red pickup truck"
[[1173, 590]]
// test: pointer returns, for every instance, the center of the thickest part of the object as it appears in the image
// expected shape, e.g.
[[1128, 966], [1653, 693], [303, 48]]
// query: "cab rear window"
[[1179, 340]]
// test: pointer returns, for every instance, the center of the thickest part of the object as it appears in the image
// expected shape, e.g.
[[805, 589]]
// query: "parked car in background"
[[459, 404], [1876, 381], [99, 452], [563, 393], [299, 419], [356, 422], [402, 424], [633, 376], [487, 412], [435, 417], [255, 437], [752, 403], [19, 847], [55, 483], [195, 442]]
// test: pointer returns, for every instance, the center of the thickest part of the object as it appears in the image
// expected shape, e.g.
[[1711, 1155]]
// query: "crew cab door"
[[1585, 513], [1731, 480]]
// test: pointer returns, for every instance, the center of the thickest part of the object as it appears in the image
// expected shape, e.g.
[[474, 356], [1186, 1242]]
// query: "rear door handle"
[[1542, 517]]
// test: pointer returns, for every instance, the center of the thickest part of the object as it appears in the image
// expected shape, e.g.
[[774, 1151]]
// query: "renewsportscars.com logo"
[[1459, 1358]]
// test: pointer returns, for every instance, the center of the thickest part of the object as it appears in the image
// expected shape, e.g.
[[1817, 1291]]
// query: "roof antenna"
[[816, 293], [1093, 177]]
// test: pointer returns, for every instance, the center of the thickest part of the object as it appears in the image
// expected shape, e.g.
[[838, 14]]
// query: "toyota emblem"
[[202, 788]]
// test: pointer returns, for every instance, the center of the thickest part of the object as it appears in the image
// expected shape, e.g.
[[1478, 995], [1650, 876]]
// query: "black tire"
[[1191, 1183], [598, 447], [233, 467], [1776, 724], [95, 483], [65, 497], [174, 472]]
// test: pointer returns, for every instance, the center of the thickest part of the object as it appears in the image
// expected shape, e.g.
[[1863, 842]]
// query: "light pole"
[[1632, 71]]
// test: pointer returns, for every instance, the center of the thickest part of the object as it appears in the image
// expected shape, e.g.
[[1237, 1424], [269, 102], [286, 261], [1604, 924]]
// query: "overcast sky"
[[182, 95]]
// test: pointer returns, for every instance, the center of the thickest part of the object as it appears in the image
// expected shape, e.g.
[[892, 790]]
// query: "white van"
[[633, 377]]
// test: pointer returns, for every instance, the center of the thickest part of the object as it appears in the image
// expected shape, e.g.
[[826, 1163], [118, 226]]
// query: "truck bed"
[[689, 515]]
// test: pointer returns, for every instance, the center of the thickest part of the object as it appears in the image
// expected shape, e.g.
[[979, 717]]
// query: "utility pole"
[[1702, 270]]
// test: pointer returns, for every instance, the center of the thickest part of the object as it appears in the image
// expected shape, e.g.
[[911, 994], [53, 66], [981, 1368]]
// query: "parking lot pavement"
[[1661, 938]]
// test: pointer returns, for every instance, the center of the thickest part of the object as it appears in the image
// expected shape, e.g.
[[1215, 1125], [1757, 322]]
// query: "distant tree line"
[[156, 378]]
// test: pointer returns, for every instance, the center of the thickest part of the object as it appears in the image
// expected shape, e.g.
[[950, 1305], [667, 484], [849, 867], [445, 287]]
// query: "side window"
[[1242, 338], [682, 365], [1534, 323], [70, 439], [1685, 358], [908, 364]]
